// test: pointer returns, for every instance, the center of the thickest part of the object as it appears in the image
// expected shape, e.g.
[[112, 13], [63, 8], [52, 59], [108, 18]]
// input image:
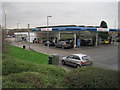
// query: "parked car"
[[65, 44], [86, 42], [77, 60], [105, 41], [9, 36], [51, 43]]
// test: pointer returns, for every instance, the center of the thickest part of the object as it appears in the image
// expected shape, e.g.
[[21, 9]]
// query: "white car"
[[77, 60]]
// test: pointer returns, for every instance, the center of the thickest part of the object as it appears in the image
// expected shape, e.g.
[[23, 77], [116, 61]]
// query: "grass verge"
[[26, 55]]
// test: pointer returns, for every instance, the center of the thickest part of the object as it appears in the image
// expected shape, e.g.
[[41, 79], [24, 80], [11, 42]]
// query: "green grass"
[[26, 55]]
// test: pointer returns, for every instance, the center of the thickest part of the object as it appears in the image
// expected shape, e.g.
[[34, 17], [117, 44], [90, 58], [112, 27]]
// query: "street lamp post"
[[5, 27], [17, 25], [113, 34], [115, 22], [115, 26], [47, 26], [5, 18], [17, 31], [4, 32], [29, 36], [48, 33]]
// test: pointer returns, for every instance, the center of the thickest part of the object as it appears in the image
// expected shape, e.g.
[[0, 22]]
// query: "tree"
[[103, 35], [103, 24]]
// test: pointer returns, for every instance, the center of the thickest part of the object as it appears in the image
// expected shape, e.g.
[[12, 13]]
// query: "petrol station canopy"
[[75, 29]]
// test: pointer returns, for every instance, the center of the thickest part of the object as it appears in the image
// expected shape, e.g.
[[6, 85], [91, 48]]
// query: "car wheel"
[[77, 66], [63, 62]]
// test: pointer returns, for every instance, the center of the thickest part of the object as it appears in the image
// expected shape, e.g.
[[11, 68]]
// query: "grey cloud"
[[62, 13]]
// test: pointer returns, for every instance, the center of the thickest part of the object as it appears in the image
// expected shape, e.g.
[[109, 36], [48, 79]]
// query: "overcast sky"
[[80, 13]]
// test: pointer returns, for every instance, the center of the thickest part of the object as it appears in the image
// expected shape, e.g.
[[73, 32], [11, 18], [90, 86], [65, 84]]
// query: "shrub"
[[90, 77], [17, 66], [31, 80], [19, 74]]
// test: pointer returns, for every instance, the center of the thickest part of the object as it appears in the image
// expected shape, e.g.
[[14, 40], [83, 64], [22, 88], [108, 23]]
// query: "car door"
[[59, 44], [75, 60], [69, 59]]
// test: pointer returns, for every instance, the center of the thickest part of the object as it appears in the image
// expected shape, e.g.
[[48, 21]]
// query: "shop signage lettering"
[[46, 29], [103, 29]]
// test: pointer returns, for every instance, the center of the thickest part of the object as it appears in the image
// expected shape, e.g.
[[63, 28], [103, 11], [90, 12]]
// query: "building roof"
[[66, 26]]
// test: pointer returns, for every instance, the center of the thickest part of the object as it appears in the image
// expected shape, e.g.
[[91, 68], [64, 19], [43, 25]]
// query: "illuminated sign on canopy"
[[103, 29], [46, 29]]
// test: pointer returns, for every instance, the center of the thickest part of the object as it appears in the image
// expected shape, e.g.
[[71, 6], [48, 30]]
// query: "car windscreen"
[[86, 58]]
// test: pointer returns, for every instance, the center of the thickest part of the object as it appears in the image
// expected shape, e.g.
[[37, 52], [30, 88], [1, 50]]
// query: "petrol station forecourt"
[[56, 33]]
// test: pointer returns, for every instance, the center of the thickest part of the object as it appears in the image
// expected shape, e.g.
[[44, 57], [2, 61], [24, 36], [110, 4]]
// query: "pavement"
[[104, 56]]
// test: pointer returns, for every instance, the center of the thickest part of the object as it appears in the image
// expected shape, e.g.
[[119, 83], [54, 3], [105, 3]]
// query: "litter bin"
[[55, 59], [50, 59], [23, 46]]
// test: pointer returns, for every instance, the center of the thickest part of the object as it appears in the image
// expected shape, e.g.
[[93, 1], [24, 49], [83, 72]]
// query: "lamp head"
[[49, 16], [5, 11]]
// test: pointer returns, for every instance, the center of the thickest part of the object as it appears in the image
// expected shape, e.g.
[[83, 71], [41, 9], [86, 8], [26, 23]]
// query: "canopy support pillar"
[[74, 40], [96, 43]]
